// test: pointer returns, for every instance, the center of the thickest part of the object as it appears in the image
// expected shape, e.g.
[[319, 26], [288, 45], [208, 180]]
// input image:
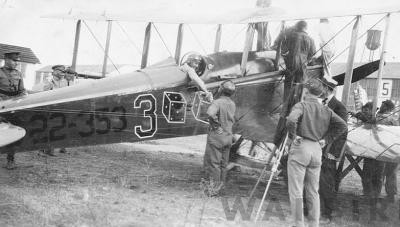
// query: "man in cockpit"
[[192, 68]]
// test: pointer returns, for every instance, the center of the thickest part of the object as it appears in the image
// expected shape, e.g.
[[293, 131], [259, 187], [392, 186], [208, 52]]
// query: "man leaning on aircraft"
[[11, 85], [191, 67]]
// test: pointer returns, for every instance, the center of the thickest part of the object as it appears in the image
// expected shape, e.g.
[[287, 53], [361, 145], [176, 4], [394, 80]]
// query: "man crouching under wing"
[[221, 115]]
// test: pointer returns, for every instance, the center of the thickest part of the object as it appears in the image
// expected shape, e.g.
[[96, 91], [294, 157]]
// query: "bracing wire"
[[197, 39], [357, 39], [101, 46], [162, 40], [395, 111], [235, 36], [129, 39], [333, 37]]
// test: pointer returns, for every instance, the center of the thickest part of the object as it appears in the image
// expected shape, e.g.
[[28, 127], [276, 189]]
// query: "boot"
[[10, 161], [49, 152], [11, 165]]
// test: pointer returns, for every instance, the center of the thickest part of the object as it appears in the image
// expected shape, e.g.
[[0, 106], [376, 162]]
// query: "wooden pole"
[[76, 44], [346, 88], [247, 47], [179, 40], [107, 48], [218, 38], [350, 62], [381, 64], [146, 45]]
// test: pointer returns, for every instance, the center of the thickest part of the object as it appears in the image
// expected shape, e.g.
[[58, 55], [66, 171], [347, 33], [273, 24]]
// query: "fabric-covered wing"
[[242, 16], [379, 142], [258, 111]]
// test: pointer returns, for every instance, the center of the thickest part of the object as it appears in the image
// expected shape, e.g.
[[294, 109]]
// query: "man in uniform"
[[297, 50], [192, 68], [331, 153], [386, 117], [58, 80], [308, 123], [219, 140], [11, 85]]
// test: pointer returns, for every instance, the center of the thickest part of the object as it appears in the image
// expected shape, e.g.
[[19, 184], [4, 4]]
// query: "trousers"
[[327, 191], [216, 156], [390, 174], [304, 166], [372, 179]]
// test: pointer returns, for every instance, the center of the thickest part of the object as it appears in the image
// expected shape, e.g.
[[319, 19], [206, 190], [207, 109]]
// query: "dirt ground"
[[155, 183]]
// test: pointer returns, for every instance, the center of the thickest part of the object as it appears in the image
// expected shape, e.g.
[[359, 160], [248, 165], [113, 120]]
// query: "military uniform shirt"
[[313, 121], [11, 82], [224, 108], [53, 84]]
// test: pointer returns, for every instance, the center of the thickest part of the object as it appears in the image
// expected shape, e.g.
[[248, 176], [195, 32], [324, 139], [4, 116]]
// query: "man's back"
[[225, 108], [301, 48], [314, 121]]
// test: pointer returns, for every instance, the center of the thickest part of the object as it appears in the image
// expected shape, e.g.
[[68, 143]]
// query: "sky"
[[52, 39]]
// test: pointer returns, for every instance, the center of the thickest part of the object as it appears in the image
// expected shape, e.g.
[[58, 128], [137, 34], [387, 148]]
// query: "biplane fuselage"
[[152, 103]]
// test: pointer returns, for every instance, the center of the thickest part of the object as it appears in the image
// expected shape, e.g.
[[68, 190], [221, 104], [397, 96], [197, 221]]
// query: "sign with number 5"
[[386, 90]]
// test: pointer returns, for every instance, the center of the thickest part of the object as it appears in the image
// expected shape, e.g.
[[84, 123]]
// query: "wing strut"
[[146, 46], [179, 40], [381, 63], [218, 38], [107, 48], [76, 44], [278, 49], [347, 84], [350, 61], [247, 47]]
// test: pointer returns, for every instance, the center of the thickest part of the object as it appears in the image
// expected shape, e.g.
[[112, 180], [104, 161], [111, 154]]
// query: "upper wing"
[[242, 16]]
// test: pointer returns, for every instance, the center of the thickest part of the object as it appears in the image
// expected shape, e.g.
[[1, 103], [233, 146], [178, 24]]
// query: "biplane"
[[158, 101]]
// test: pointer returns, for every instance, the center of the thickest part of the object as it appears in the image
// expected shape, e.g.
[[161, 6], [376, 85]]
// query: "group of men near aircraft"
[[12, 85], [316, 125], [311, 118]]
